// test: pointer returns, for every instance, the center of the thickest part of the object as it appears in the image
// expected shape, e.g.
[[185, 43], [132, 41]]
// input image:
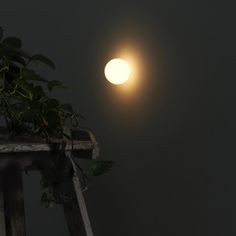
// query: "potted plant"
[[29, 109]]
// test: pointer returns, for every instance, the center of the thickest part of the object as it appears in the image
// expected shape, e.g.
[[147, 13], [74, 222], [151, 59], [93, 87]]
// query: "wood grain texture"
[[32, 153], [11, 147], [27, 144]]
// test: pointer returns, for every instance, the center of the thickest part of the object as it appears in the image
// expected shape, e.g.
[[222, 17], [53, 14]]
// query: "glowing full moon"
[[117, 71]]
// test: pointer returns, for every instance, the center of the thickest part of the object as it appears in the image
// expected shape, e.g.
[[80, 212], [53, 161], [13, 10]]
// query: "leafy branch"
[[29, 109]]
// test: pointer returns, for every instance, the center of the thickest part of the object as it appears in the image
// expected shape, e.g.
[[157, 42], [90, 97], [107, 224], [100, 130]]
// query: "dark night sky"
[[172, 138]]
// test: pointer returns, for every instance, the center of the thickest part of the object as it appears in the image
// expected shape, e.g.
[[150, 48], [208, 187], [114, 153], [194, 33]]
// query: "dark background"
[[172, 137]]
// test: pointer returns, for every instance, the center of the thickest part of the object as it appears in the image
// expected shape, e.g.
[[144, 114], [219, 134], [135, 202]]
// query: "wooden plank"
[[77, 216], [74, 219], [14, 202], [81, 202], [84, 145], [36, 147], [2, 210]]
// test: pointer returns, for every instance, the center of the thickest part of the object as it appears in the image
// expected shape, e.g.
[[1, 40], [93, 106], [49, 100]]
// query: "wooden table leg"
[[2, 210], [76, 215], [14, 202]]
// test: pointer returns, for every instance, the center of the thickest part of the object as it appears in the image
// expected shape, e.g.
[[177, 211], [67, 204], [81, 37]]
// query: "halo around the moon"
[[117, 71]]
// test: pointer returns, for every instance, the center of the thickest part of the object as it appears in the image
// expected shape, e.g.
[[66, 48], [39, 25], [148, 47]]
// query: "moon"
[[117, 71]]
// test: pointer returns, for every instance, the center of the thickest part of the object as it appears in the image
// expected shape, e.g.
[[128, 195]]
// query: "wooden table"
[[27, 154]]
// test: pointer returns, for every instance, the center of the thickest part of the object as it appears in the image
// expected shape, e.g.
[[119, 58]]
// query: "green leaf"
[[55, 84], [38, 92], [66, 131], [9, 51], [67, 107], [20, 52], [31, 75], [45, 60], [12, 42], [23, 111], [18, 59], [27, 88], [101, 167], [4, 69], [53, 103], [53, 119]]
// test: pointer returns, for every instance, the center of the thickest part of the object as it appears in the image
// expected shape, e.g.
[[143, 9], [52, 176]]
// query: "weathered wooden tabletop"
[[26, 150], [85, 140]]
